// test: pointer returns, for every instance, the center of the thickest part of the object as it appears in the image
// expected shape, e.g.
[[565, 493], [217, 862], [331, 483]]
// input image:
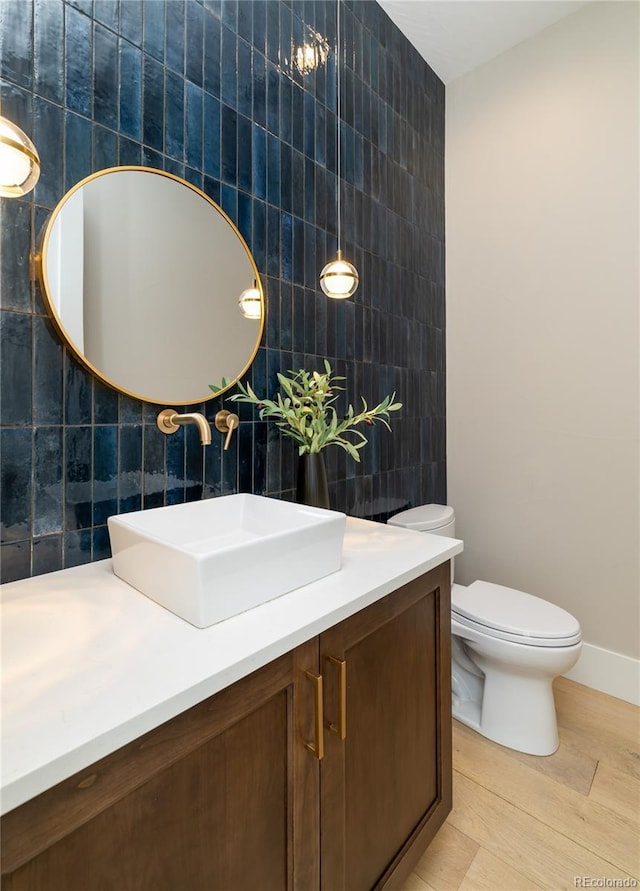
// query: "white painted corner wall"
[[543, 403]]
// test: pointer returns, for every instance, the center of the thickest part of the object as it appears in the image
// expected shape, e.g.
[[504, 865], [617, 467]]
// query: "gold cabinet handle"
[[317, 746], [340, 729]]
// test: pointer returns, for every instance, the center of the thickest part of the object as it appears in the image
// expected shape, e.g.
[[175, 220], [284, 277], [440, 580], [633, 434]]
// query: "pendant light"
[[19, 161], [250, 302], [339, 278]]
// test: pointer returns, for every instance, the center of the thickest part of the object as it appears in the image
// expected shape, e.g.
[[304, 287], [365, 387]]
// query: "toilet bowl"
[[507, 647]]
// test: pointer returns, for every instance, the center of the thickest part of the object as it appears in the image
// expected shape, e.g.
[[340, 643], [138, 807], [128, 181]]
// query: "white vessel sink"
[[209, 560]]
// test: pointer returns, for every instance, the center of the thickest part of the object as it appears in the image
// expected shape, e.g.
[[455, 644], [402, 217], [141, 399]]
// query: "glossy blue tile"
[[297, 117], [154, 480], [309, 125], [259, 89], [48, 130], [76, 548], [77, 59], [105, 77], [211, 136], [194, 47], [245, 220], [48, 451], [259, 161], [105, 148], [175, 467], [47, 374], [129, 152], [48, 46], [130, 90], [78, 386], [153, 29], [152, 103], [194, 126], [15, 488], [245, 20], [286, 247], [16, 368], [211, 187], [273, 30], [259, 234], [298, 252], [229, 201], [78, 480], [229, 154], [175, 35], [273, 170], [259, 11], [16, 42], [105, 472], [100, 544], [47, 554], [78, 149], [129, 410], [174, 116], [245, 79], [15, 236], [273, 242], [15, 561], [212, 57], [229, 72], [194, 465], [130, 469], [286, 184], [245, 161], [107, 12], [131, 21], [273, 99]]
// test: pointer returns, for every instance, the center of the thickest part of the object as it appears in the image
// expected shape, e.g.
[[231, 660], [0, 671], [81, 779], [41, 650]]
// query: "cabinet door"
[[225, 796], [386, 787]]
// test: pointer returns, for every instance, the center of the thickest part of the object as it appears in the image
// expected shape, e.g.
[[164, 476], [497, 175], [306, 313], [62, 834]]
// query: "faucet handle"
[[226, 422]]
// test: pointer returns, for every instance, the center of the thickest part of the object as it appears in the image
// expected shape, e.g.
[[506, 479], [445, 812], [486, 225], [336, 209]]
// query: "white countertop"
[[89, 664]]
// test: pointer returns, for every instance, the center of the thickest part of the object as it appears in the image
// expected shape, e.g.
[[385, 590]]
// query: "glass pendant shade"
[[339, 278], [19, 161], [250, 303]]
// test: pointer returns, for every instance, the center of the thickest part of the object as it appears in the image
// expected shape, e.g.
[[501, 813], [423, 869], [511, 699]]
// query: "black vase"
[[311, 485]]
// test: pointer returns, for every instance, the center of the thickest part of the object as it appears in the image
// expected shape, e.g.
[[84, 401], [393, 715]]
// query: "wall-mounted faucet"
[[169, 421]]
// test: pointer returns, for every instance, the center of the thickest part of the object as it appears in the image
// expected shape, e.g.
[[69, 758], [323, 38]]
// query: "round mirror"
[[143, 275]]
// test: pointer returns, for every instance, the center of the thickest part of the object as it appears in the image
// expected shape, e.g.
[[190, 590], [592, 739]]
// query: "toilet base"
[[511, 731]]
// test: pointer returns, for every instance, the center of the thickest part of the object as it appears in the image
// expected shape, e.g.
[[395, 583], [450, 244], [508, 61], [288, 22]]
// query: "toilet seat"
[[509, 614]]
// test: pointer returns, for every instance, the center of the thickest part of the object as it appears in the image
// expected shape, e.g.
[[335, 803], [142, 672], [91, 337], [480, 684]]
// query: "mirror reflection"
[[143, 274]]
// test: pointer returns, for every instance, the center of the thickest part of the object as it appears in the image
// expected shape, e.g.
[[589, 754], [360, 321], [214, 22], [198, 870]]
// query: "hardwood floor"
[[567, 821]]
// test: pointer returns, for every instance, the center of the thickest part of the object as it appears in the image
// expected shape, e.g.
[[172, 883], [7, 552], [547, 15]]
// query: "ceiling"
[[455, 36]]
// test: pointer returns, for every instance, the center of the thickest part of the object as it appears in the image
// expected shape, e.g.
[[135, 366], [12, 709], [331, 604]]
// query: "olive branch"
[[304, 411]]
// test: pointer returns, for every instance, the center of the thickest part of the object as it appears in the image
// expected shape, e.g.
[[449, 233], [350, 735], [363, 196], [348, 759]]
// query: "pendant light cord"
[[339, 108]]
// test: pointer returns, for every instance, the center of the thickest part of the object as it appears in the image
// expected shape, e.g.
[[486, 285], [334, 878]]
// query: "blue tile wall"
[[211, 91]]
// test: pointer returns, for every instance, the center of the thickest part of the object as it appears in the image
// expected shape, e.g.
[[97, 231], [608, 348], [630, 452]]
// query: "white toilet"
[[507, 647]]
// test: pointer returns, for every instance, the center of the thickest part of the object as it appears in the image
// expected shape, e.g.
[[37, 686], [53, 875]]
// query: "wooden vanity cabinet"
[[386, 788], [230, 795]]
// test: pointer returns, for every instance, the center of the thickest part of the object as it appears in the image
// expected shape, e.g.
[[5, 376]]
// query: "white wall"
[[542, 324]]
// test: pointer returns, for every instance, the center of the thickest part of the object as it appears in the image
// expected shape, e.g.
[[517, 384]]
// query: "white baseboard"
[[609, 672]]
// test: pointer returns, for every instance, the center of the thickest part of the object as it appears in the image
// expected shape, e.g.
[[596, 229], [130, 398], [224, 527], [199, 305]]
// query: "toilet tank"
[[438, 519]]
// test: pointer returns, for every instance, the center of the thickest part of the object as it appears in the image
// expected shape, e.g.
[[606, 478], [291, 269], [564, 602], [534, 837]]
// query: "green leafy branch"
[[304, 411]]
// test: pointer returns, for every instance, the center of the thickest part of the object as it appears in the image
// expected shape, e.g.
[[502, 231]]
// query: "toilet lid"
[[504, 610], [424, 517]]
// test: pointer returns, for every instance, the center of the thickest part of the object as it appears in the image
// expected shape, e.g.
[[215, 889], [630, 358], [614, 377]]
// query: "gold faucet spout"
[[169, 421]]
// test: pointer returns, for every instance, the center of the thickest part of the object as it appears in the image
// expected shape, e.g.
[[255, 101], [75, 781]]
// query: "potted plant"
[[304, 412]]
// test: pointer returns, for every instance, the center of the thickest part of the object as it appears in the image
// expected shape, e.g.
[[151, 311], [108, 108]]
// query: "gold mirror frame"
[[49, 299]]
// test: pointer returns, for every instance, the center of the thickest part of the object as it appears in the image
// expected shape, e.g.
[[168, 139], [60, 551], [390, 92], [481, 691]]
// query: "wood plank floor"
[[567, 821]]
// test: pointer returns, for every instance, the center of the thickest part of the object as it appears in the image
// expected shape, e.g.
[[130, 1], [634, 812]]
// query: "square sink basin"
[[209, 560]]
